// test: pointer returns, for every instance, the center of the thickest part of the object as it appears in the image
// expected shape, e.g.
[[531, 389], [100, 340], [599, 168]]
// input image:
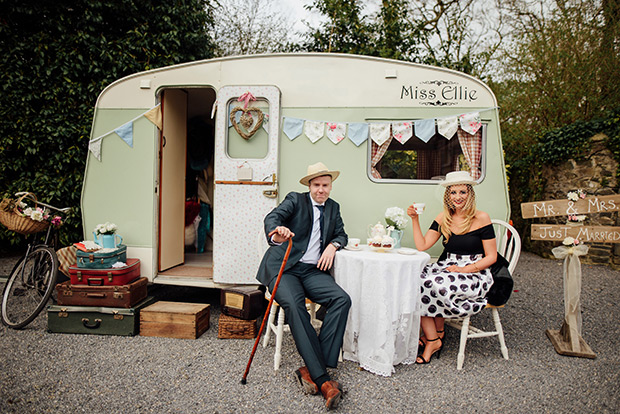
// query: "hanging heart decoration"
[[247, 120]]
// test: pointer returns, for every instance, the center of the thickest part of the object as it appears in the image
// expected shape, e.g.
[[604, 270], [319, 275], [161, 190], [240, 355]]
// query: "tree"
[[250, 26], [57, 57]]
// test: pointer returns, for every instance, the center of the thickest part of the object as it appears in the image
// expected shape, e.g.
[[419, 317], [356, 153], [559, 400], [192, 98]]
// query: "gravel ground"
[[56, 373]]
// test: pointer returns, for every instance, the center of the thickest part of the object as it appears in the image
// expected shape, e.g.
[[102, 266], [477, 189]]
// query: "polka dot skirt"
[[450, 294]]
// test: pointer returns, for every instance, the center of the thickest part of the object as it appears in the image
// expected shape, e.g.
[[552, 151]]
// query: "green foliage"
[[57, 57]]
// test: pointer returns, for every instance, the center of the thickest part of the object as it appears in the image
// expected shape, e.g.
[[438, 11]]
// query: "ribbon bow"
[[247, 97], [572, 284]]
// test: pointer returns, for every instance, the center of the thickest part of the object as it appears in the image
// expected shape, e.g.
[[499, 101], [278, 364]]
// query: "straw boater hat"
[[317, 170], [457, 178]]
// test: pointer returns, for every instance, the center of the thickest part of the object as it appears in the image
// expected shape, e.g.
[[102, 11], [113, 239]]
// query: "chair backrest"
[[508, 242]]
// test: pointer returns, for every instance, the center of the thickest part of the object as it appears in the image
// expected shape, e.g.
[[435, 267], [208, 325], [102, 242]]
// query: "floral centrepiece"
[[395, 217], [570, 241], [106, 228]]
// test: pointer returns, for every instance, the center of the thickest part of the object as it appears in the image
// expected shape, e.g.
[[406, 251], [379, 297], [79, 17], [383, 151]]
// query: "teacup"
[[419, 207], [354, 243]]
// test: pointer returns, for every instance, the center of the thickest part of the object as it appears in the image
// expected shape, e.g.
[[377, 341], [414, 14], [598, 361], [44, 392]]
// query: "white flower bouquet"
[[106, 228], [395, 217]]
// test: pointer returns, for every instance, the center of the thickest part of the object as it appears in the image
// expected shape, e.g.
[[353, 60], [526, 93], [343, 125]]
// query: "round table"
[[383, 324]]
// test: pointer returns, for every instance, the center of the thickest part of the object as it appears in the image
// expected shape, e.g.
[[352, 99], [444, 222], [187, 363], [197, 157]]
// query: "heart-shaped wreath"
[[247, 120]]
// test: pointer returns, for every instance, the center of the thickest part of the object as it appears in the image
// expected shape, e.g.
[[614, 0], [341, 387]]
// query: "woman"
[[456, 285]]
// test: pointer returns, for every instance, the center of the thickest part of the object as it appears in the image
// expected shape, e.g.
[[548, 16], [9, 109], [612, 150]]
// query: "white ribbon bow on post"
[[572, 288]]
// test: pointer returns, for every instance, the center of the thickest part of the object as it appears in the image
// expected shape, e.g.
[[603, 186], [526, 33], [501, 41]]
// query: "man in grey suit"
[[313, 220]]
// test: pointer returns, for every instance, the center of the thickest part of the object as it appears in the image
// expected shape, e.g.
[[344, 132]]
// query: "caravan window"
[[432, 160], [255, 146]]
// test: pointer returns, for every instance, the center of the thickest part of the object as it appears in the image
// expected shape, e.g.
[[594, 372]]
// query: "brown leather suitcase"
[[119, 296], [244, 302]]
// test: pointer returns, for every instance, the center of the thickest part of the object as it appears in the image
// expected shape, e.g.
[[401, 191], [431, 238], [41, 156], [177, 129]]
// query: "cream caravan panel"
[[240, 206]]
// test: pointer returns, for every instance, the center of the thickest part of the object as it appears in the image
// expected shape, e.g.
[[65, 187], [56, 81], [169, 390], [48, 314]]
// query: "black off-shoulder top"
[[468, 243]]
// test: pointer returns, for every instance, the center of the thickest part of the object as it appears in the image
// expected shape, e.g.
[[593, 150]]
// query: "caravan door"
[[246, 171]]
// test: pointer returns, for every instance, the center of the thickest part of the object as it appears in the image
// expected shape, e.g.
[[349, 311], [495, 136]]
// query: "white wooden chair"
[[509, 246]]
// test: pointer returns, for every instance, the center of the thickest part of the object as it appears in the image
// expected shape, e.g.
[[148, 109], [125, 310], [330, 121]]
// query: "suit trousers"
[[307, 281]]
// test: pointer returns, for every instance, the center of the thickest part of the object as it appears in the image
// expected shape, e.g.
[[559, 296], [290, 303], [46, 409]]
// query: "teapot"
[[376, 230]]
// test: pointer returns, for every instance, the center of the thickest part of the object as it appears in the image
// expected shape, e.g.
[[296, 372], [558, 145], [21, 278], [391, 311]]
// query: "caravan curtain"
[[472, 149], [377, 152]]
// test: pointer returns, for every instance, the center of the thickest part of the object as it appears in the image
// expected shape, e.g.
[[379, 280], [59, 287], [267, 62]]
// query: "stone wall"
[[595, 175]]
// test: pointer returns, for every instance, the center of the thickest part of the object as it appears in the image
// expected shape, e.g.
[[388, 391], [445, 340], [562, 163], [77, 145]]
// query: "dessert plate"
[[352, 248], [407, 250]]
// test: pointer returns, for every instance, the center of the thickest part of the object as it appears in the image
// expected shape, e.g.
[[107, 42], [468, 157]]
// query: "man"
[[306, 275]]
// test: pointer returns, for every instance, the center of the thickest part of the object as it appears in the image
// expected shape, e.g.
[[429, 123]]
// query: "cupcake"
[[387, 242], [377, 241]]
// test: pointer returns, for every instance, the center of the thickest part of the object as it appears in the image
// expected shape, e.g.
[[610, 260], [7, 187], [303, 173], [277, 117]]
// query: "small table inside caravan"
[[383, 327]]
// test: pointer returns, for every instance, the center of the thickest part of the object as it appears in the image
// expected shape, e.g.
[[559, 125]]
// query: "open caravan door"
[[246, 168]]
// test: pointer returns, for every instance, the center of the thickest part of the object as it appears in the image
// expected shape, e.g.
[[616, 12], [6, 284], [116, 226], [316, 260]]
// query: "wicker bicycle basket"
[[16, 222]]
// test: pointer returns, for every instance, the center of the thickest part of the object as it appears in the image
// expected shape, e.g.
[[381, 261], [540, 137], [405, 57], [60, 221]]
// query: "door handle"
[[271, 193]]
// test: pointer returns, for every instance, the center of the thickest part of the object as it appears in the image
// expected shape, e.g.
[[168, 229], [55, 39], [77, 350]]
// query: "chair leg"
[[464, 332], [272, 316], [500, 333], [279, 336]]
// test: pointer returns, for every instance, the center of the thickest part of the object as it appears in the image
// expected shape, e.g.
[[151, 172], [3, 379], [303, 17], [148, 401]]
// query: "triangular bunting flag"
[[126, 133], [470, 123], [425, 129], [314, 130], [335, 131], [358, 133], [448, 126], [292, 127], [379, 133], [154, 115], [95, 148], [402, 131]]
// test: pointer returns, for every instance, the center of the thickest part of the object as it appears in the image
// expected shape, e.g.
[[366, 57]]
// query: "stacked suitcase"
[[100, 298]]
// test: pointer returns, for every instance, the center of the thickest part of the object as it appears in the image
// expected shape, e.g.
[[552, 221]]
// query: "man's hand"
[[327, 258], [282, 234]]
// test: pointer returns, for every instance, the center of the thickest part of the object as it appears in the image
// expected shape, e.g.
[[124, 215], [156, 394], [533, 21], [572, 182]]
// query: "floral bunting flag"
[[470, 123], [425, 129], [95, 147], [126, 133], [358, 132], [335, 131], [314, 130], [402, 131], [448, 126], [379, 132], [292, 127], [154, 115]]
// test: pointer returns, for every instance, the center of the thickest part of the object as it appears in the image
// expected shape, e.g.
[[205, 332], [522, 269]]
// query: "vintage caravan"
[[393, 129]]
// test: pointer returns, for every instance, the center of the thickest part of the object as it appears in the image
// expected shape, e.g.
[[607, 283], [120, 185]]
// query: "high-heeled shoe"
[[422, 344], [436, 351]]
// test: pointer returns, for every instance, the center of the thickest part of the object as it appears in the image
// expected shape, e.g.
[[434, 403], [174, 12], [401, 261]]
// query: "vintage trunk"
[[95, 320], [235, 328], [175, 320], [106, 277], [95, 260], [121, 296], [244, 302]]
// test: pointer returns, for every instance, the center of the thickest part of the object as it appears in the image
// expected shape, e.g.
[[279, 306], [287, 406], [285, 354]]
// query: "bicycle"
[[33, 278]]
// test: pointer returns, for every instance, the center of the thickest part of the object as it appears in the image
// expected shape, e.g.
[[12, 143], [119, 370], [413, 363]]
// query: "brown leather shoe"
[[305, 380], [332, 393]]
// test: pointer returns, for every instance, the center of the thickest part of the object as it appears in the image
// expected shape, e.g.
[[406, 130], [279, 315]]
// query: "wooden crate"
[[230, 327], [175, 319]]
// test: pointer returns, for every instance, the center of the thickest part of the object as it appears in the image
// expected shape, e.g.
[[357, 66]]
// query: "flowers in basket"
[[38, 214], [105, 228], [395, 217]]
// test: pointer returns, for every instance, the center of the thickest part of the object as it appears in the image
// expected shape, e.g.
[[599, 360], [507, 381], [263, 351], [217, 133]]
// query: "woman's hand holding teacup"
[[411, 212]]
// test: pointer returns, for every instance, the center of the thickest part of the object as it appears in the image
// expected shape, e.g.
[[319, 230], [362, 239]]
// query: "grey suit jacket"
[[295, 212]]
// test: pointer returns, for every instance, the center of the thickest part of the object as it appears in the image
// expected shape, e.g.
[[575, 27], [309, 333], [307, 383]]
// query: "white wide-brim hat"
[[458, 178], [317, 170]]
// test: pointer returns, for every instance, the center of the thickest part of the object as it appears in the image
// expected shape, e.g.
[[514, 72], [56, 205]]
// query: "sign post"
[[567, 340]]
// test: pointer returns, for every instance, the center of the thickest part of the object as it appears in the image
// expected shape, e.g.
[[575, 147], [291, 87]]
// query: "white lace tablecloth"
[[383, 325]]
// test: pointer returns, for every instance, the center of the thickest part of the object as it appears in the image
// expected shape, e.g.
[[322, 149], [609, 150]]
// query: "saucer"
[[352, 248], [407, 250]]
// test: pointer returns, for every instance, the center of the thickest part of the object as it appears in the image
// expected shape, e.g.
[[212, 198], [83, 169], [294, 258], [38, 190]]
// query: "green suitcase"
[[96, 320]]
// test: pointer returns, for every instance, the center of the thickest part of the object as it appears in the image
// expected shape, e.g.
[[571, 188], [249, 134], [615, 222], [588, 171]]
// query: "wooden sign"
[[588, 205], [558, 232]]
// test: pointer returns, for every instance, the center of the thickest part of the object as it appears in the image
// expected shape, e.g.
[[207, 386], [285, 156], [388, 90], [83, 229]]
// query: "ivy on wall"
[[57, 56]]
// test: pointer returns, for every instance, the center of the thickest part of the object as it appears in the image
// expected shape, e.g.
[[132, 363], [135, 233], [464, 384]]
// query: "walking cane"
[[273, 294]]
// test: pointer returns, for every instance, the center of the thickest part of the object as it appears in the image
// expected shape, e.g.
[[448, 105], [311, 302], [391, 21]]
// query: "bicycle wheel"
[[29, 287]]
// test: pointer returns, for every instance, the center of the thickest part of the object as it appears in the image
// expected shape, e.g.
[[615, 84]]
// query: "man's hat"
[[317, 170]]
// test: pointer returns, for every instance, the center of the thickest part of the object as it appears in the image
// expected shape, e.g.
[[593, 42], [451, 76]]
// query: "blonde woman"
[[457, 284]]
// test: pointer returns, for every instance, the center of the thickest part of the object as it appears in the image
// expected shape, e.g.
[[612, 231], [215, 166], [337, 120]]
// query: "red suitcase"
[[106, 277], [121, 296]]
